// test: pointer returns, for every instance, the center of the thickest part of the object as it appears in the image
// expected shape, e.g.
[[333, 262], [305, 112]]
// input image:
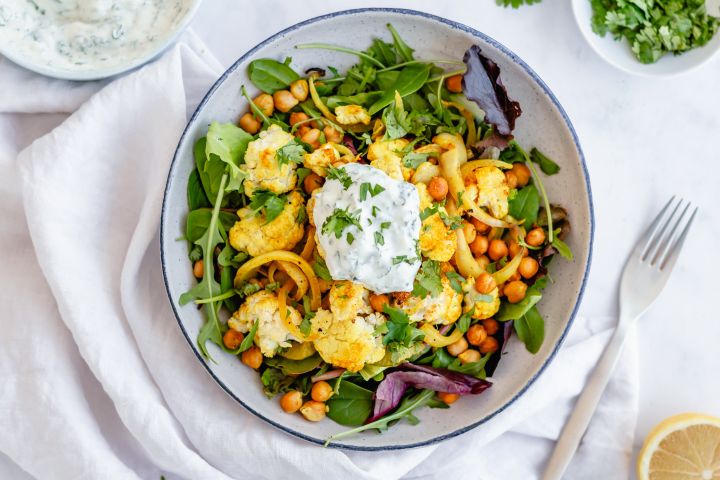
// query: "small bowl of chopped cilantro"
[[651, 37]]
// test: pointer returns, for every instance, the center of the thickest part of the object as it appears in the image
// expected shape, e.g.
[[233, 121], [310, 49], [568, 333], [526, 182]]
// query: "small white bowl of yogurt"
[[89, 39]]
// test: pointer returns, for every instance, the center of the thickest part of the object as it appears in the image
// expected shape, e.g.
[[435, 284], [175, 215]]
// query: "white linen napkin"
[[99, 382]]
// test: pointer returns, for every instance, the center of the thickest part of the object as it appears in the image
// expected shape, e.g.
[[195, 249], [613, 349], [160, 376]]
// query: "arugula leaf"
[[269, 202], [339, 220], [306, 324], [275, 382], [409, 80], [561, 247], [270, 75], [199, 220], [249, 338], [351, 405], [525, 205], [196, 196], [340, 175], [402, 48], [302, 172], [428, 280], [293, 151], [530, 329], [548, 166], [399, 329]]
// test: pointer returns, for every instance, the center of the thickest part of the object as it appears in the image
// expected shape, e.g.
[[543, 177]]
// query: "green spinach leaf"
[[525, 205], [548, 166], [270, 75], [514, 311], [351, 405], [409, 80], [530, 329]]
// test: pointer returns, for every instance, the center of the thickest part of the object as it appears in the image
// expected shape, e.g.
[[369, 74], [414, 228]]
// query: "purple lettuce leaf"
[[482, 85], [390, 391]]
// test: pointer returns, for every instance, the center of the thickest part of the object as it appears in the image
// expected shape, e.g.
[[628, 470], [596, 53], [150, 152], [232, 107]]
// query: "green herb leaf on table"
[[530, 329], [270, 75], [351, 405]]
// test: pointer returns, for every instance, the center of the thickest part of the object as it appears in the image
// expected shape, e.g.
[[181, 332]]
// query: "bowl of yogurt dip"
[[89, 39]]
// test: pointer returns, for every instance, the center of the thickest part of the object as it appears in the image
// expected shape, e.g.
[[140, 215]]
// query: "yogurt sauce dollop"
[[368, 228], [87, 35]]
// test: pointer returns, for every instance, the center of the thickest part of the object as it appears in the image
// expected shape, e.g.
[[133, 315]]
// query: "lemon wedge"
[[682, 447]]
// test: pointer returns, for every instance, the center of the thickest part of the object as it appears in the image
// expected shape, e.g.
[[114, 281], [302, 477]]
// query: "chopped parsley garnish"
[[301, 215], [414, 159], [373, 190], [399, 329], [374, 210], [320, 268], [292, 152], [339, 220], [384, 225], [270, 203], [340, 175], [379, 239], [428, 280], [306, 324], [350, 238], [455, 281], [403, 258]]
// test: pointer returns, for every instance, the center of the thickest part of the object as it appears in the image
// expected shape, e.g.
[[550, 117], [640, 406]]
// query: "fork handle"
[[585, 407]]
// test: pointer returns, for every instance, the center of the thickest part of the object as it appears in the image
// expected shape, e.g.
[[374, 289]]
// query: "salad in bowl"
[[368, 240]]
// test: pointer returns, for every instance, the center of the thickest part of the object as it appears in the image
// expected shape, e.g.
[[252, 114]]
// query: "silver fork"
[[646, 273]]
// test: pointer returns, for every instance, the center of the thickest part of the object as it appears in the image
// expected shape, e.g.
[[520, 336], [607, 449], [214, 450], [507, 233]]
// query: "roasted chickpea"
[[448, 398], [312, 182], [497, 249], [514, 276], [232, 339], [490, 345], [378, 302], [483, 261], [481, 227], [249, 123], [321, 391], [301, 131], [252, 357], [332, 135], [522, 173], [198, 269], [535, 237], [528, 267], [476, 334], [514, 248], [324, 285], [515, 291], [297, 117], [458, 347], [511, 179], [491, 326], [265, 103], [284, 100], [313, 411], [469, 356], [485, 283], [291, 401], [312, 138], [438, 188], [479, 246], [299, 89], [454, 83], [469, 232]]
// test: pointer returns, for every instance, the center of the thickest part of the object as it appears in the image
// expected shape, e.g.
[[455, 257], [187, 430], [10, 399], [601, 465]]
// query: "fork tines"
[[666, 234]]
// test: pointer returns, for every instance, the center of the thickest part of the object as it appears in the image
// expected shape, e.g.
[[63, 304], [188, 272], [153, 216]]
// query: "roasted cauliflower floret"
[[264, 308], [444, 309], [325, 156], [346, 334], [262, 167], [384, 155], [253, 235], [437, 241], [352, 114], [488, 188], [485, 305]]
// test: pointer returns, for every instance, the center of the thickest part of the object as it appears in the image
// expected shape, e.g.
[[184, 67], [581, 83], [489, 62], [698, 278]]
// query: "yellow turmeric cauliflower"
[[325, 156], [485, 305], [437, 241], [383, 155], [444, 309], [346, 333], [352, 114], [264, 308], [253, 235], [262, 167], [488, 187]]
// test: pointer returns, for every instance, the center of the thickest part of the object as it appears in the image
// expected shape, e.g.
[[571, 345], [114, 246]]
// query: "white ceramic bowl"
[[160, 45], [619, 54], [543, 124]]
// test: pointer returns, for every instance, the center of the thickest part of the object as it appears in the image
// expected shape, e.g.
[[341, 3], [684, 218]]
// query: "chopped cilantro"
[[379, 239], [271, 203], [320, 268], [428, 280], [292, 152], [340, 175], [339, 220], [373, 190], [399, 329], [455, 281]]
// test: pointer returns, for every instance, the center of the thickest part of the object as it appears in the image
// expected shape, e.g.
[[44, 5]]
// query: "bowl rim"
[[641, 70], [99, 74], [583, 284]]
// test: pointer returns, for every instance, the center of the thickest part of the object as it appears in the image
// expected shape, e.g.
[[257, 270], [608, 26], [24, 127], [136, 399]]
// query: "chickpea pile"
[[283, 101], [314, 409]]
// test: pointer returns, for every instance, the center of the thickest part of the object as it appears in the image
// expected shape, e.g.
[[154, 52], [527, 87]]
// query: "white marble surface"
[[644, 140]]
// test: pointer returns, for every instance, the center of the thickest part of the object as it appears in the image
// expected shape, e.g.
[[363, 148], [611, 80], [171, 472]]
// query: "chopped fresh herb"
[[339, 220], [373, 190], [306, 323], [302, 172], [428, 280], [400, 330], [415, 159], [385, 225], [561, 247], [463, 322], [321, 269], [340, 175], [350, 238], [249, 338], [455, 281], [293, 152], [379, 239], [403, 258], [374, 210], [270, 203]]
